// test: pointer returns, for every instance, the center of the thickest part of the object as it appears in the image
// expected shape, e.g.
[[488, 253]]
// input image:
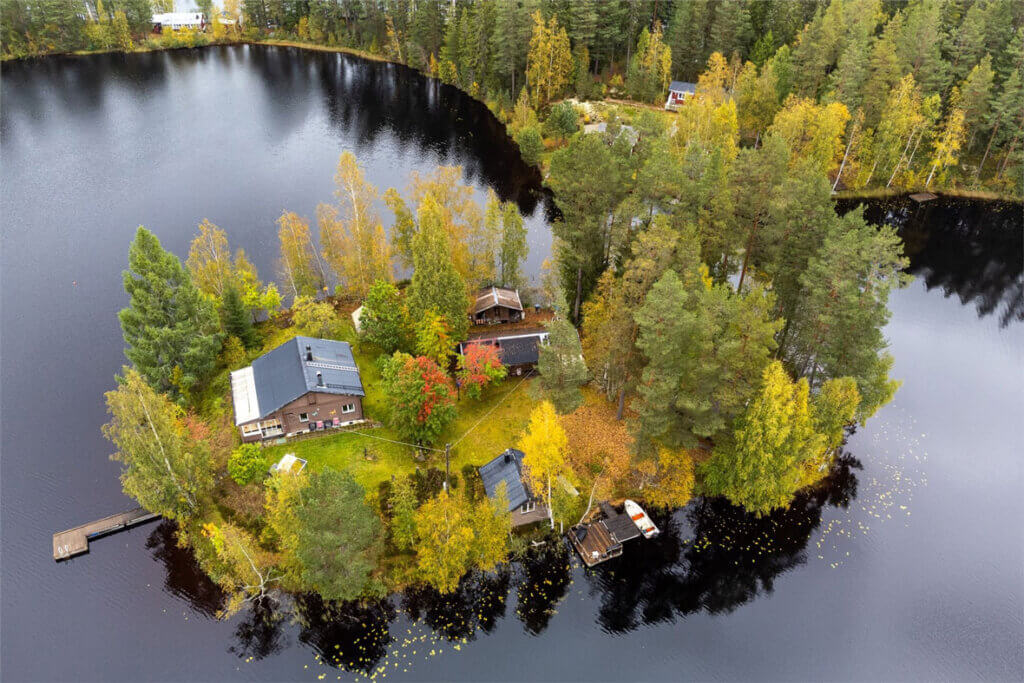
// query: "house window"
[[528, 506], [250, 429], [348, 408], [303, 417]]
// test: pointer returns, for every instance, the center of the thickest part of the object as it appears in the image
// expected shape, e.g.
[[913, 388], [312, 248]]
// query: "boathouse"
[[678, 92], [507, 469], [495, 305], [602, 539], [303, 385]]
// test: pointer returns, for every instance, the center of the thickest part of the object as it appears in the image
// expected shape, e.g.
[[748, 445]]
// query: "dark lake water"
[[909, 565]]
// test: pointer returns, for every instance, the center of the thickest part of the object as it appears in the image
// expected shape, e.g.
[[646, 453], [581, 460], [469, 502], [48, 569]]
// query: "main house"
[[496, 305], [507, 469], [303, 385]]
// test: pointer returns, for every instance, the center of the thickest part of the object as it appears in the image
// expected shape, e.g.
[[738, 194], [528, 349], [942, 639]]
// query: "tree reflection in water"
[[260, 632], [347, 635], [543, 579], [476, 605], [183, 577], [712, 557]]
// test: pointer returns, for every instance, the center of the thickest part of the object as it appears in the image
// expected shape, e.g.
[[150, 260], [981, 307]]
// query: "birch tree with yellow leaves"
[[549, 61], [354, 243], [544, 447]]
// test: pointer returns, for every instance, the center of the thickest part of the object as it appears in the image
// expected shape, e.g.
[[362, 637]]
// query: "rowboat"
[[640, 518]]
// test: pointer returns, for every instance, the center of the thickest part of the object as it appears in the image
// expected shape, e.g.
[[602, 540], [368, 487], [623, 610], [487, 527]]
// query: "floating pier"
[[922, 197], [76, 541]]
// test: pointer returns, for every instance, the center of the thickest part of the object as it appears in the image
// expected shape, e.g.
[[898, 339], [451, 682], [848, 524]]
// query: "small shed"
[[496, 305], [288, 464], [357, 320], [678, 92]]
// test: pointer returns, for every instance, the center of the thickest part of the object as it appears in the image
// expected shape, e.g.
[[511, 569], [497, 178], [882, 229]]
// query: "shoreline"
[[878, 193]]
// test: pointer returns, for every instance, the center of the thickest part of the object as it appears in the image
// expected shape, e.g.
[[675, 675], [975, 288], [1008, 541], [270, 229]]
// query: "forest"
[[715, 327], [927, 94]]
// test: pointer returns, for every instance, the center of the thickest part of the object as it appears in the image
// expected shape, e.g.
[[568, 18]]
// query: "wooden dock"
[[76, 541], [922, 197]]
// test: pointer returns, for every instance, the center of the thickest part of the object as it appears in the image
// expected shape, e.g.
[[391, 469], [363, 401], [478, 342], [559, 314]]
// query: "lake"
[[908, 565]]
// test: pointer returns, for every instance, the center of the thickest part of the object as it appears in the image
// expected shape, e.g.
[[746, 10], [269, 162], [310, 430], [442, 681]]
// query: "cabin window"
[[303, 417], [250, 429], [348, 408], [311, 398], [528, 506]]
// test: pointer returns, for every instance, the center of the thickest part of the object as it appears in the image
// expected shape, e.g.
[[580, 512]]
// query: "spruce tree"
[[169, 327], [237, 321], [561, 366]]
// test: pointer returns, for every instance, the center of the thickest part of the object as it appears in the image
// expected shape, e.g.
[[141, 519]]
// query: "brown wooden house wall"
[[312, 402]]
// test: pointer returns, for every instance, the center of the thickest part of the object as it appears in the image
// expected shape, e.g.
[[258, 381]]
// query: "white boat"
[[642, 521]]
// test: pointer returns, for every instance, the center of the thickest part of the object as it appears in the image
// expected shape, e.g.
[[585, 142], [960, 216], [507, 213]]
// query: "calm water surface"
[[909, 565]]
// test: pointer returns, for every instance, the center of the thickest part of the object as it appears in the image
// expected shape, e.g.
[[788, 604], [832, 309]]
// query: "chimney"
[[309, 352], [319, 379], [508, 457]]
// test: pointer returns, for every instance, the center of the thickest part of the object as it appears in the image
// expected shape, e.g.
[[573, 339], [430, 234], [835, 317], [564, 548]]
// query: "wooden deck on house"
[[76, 541]]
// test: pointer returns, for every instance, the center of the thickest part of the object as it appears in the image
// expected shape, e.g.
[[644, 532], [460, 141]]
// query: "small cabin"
[[496, 305], [303, 385], [518, 352], [178, 20], [678, 92], [507, 469]]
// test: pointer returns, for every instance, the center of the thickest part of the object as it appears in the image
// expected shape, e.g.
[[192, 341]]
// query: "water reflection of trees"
[[348, 635], [712, 557], [183, 576], [543, 579], [476, 605], [971, 248]]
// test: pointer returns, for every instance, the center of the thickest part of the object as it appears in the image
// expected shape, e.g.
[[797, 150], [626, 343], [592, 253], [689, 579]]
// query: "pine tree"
[[687, 37], [976, 95], [170, 329], [730, 27], [549, 61], [384, 321]]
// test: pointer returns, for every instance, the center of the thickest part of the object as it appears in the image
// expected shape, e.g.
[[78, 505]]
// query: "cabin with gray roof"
[[303, 385], [507, 469], [678, 92], [518, 352], [495, 305]]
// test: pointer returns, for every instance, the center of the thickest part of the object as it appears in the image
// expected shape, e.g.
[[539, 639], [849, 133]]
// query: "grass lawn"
[[496, 421]]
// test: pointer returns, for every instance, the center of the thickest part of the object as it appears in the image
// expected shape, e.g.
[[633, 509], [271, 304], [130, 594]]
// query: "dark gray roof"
[[506, 468], [619, 525], [518, 350], [683, 86], [284, 374]]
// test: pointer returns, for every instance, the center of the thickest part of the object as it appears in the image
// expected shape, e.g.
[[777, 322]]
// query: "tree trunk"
[[900, 161], [579, 293], [843, 164], [622, 403], [551, 513], [746, 255], [988, 147], [1006, 159]]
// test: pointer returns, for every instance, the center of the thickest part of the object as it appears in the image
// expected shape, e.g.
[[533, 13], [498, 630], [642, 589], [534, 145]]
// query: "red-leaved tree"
[[421, 395], [480, 366]]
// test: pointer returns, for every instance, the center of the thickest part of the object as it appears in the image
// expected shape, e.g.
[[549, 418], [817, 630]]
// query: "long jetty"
[[76, 541]]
